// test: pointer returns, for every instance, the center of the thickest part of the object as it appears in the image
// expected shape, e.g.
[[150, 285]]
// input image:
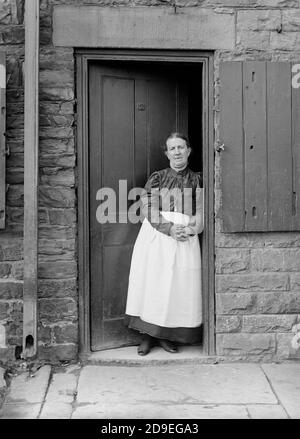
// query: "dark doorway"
[[132, 107]]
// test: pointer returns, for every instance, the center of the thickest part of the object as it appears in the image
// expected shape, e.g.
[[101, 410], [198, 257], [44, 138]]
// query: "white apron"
[[165, 277]]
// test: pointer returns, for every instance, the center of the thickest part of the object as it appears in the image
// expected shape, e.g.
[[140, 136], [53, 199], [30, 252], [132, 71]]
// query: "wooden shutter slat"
[[231, 134], [279, 146], [260, 174], [254, 98], [296, 157], [2, 138]]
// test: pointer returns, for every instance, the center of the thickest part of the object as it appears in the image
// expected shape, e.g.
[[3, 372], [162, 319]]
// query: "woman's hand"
[[192, 221], [189, 231], [178, 232]]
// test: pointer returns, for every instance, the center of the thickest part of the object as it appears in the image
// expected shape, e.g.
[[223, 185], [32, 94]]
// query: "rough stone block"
[[11, 290], [276, 3], [55, 288], [57, 232], [228, 323], [282, 259], [58, 177], [62, 216], [258, 303], [227, 3], [17, 271], [58, 58], [253, 40], [285, 348], [14, 332], [230, 283], [249, 344], [66, 333], [44, 334], [258, 20], [232, 260], [269, 323], [12, 35], [55, 146], [57, 270], [291, 20], [56, 120], [56, 108], [56, 197], [56, 132], [58, 250], [5, 12], [5, 270], [11, 248], [53, 310], [57, 353], [51, 78], [295, 281], [17, 11], [236, 240], [15, 176], [15, 196], [7, 355], [57, 94], [289, 41], [62, 160]]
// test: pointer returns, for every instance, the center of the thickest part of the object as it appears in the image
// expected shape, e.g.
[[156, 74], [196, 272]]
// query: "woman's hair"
[[176, 135]]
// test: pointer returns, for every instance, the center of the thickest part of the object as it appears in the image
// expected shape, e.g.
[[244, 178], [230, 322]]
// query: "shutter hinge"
[[220, 147]]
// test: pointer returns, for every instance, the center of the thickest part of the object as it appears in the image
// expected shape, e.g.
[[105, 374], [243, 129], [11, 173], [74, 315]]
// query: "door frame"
[[83, 57]]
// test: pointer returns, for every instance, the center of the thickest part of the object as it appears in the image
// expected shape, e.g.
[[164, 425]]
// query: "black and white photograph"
[[149, 213]]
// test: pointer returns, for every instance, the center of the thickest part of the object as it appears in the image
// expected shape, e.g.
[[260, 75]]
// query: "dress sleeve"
[[198, 225], [150, 205]]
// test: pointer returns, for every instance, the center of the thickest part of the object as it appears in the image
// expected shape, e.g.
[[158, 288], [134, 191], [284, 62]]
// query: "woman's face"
[[177, 152]]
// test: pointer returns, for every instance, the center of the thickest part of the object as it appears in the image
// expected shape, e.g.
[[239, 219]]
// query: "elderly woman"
[[164, 300]]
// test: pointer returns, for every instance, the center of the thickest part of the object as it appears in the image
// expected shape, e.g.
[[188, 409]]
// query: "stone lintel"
[[140, 27]]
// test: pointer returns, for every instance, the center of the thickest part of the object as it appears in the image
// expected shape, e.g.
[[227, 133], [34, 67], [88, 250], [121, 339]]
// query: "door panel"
[[131, 111]]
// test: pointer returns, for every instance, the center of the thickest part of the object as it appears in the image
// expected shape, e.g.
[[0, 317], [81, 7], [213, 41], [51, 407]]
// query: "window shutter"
[[2, 138], [259, 127]]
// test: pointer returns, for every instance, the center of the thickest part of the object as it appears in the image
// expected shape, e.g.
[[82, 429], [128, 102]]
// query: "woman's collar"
[[182, 172]]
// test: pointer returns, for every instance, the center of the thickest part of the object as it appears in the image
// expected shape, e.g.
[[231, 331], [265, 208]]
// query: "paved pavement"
[[119, 384]]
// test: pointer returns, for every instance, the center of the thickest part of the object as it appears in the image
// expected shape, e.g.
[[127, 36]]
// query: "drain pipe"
[[31, 142]]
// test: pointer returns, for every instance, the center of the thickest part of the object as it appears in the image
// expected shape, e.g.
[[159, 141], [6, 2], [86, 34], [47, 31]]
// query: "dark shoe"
[[145, 346], [168, 346]]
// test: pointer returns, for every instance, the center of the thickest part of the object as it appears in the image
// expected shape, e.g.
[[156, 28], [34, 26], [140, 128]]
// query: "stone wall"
[[257, 275]]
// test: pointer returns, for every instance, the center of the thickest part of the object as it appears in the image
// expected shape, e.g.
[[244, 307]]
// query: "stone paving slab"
[[56, 410], [27, 389], [62, 388], [20, 411], [265, 411], [157, 411], [285, 380], [186, 384]]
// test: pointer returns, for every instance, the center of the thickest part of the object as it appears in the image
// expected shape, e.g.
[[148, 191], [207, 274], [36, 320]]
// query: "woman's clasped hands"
[[179, 232]]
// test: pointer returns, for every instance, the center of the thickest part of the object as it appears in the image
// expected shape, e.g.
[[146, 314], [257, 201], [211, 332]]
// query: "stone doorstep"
[[127, 356]]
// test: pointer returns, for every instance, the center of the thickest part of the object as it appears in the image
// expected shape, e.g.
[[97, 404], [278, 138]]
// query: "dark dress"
[[153, 205]]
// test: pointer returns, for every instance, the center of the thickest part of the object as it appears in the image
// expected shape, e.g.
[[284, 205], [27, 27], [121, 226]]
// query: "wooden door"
[[131, 111]]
